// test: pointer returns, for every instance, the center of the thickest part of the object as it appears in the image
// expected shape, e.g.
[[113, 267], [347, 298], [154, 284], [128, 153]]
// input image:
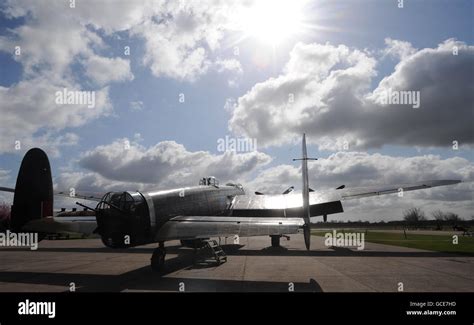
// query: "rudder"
[[33, 198]]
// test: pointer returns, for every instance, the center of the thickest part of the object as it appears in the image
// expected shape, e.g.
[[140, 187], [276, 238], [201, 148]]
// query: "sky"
[[173, 79]]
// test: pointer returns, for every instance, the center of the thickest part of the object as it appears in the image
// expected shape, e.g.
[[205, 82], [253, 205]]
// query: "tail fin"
[[33, 197]]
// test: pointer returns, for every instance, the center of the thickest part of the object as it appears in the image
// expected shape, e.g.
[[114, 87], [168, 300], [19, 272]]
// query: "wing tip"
[[449, 181]]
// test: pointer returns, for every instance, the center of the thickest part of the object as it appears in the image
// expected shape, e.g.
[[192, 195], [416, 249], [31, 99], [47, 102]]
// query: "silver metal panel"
[[191, 227], [280, 201], [151, 209]]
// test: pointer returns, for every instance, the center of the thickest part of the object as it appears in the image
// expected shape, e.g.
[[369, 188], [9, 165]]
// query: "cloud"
[[136, 106], [51, 40], [324, 91], [177, 43], [103, 71], [61, 45], [398, 49], [5, 180], [126, 165], [4, 175], [30, 114], [231, 66]]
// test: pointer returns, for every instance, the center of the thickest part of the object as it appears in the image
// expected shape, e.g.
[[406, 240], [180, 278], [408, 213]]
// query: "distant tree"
[[439, 216], [5, 212], [452, 218], [413, 216]]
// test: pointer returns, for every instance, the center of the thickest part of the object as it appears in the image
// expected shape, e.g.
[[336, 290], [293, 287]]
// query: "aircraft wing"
[[194, 227], [82, 225], [92, 196], [355, 193], [321, 202]]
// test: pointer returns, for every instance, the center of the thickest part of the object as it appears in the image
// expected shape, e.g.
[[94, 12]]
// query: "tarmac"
[[252, 266]]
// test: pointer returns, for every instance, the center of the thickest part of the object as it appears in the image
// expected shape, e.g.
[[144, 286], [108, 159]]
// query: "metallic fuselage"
[[134, 218], [190, 201]]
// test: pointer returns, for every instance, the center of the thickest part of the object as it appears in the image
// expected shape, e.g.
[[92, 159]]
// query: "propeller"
[[306, 190]]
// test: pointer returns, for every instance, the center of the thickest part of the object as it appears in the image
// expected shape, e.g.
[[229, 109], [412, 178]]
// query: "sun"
[[271, 21]]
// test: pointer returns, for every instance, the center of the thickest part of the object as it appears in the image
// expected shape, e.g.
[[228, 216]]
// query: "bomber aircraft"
[[191, 214]]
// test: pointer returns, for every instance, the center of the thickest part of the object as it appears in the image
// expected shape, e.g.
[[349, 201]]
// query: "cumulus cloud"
[[31, 115], [398, 49], [124, 164], [29, 111], [103, 70], [324, 91], [180, 38], [231, 66], [60, 45]]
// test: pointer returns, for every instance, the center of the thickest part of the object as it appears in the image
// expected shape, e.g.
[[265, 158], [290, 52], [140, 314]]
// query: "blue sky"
[[100, 30]]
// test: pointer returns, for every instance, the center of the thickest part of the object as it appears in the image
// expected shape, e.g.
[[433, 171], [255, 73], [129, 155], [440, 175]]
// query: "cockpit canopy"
[[209, 181], [126, 202]]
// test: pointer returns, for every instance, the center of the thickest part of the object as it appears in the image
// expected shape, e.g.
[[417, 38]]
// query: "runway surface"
[[251, 266]]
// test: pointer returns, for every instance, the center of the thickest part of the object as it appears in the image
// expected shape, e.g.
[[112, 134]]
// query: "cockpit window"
[[124, 201]]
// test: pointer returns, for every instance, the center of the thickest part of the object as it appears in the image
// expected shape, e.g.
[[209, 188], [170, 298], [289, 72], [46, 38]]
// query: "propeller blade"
[[289, 190], [307, 235], [306, 214]]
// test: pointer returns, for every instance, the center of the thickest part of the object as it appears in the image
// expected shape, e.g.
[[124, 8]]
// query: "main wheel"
[[158, 259]]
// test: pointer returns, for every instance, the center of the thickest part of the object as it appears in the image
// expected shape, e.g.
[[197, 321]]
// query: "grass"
[[438, 243]]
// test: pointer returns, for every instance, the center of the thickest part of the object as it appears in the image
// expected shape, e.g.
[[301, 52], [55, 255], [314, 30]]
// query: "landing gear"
[[275, 240], [158, 258]]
